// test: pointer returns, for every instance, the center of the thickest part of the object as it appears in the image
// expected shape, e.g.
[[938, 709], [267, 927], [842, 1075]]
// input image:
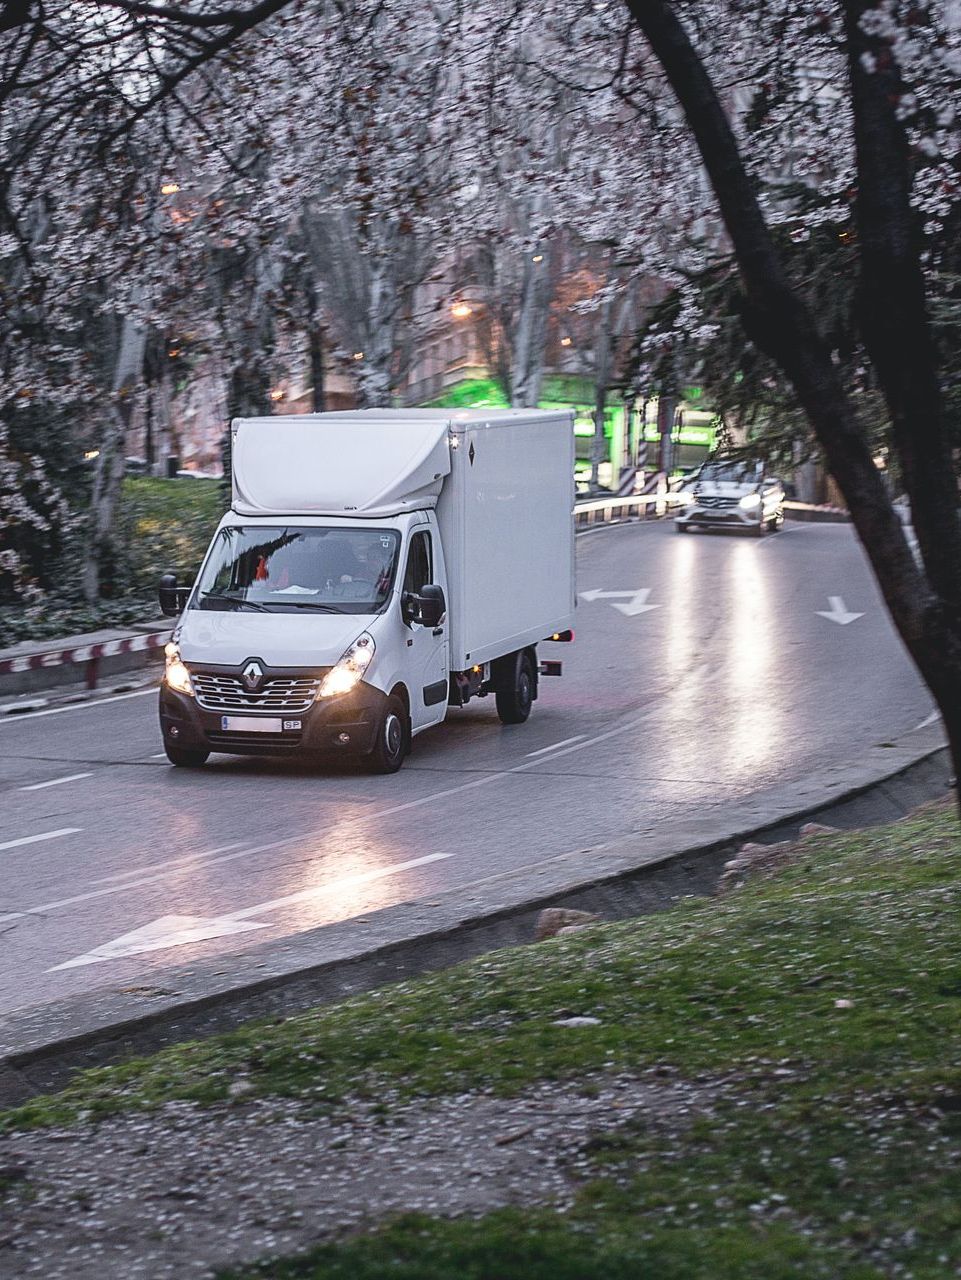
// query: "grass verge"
[[827, 998]]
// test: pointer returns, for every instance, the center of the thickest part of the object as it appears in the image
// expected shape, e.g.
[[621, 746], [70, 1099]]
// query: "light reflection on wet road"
[[730, 685]]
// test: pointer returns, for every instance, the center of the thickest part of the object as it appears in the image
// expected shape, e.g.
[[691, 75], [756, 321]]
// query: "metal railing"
[[639, 506]]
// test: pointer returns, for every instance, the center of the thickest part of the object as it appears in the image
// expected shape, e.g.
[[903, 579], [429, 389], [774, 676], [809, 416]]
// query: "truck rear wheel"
[[514, 700], [393, 738]]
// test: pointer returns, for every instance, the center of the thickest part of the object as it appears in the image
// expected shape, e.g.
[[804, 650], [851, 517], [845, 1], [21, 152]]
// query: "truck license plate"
[[250, 724]]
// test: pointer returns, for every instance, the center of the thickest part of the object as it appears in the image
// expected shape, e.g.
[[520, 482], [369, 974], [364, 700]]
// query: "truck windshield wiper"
[[237, 600], [310, 604]]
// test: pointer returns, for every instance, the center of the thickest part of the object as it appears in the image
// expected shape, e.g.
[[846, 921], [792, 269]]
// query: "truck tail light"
[[563, 636]]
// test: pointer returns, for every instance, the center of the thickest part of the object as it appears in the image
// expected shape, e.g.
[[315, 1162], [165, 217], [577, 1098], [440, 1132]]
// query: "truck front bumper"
[[346, 724]]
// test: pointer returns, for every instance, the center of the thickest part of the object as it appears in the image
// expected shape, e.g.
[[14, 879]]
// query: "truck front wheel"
[[516, 696], [393, 738]]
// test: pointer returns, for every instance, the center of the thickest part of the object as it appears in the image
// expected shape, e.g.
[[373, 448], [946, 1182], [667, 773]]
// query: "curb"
[[40, 1049]]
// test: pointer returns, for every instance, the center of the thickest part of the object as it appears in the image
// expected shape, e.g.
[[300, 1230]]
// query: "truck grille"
[[281, 694]]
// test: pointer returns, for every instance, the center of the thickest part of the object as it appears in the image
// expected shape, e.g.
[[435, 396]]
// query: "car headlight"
[[684, 497], [349, 669], [176, 675], [750, 500]]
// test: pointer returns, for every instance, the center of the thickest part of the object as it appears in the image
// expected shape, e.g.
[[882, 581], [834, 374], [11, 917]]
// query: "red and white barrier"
[[87, 654]]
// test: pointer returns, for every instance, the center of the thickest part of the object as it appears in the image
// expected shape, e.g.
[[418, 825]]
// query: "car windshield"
[[730, 473], [281, 569]]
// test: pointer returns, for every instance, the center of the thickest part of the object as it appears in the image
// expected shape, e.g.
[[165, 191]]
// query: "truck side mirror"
[[172, 598], [431, 605]]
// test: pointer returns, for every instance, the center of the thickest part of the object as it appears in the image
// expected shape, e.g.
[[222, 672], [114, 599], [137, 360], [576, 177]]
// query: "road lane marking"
[[144, 882], [55, 782], [555, 746], [45, 835], [172, 931], [293, 840], [169, 864], [929, 719], [346, 882], [78, 706]]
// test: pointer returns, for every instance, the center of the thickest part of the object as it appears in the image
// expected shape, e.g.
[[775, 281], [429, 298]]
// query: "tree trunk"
[[531, 332], [108, 477], [315, 343], [923, 604], [602, 377], [316, 338], [248, 392], [108, 480], [375, 374]]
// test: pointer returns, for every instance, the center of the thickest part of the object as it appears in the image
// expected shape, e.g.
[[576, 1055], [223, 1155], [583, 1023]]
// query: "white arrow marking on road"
[[168, 931], [838, 613], [636, 600], [175, 931]]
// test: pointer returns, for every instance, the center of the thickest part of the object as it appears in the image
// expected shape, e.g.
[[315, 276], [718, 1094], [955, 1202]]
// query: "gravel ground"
[[182, 1190]]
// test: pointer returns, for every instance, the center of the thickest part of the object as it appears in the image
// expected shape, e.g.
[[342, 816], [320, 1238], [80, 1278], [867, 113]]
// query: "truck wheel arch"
[[400, 691]]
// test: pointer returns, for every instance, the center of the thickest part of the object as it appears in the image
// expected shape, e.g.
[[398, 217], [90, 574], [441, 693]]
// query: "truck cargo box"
[[506, 522]]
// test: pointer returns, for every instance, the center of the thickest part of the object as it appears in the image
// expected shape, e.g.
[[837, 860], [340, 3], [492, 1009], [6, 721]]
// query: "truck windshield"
[[730, 473], [286, 569]]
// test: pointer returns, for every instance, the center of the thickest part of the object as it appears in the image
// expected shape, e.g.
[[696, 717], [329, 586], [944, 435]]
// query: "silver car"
[[731, 495]]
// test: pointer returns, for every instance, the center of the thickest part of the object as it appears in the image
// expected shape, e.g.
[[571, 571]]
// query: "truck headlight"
[[349, 669], [749, 501], [176, 675]]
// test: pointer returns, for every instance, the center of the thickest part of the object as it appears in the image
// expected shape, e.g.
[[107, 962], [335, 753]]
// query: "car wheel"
[[393, 738], [683, 528], [514, 703], [185, 758]]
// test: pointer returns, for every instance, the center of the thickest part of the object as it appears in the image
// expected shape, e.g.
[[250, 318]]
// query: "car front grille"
[[282, 694], [716, 502]]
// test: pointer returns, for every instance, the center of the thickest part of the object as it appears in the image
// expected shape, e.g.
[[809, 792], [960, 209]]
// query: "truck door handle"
[[438, 631]]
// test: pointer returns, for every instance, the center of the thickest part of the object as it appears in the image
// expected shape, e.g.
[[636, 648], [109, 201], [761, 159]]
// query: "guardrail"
[[644, 506], [601, 510], [89, 656]]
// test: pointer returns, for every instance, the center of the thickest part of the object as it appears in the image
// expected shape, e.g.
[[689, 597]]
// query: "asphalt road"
[[710, 676]]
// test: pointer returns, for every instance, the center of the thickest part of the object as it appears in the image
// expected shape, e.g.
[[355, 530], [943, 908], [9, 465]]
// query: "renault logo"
[[252, 673]]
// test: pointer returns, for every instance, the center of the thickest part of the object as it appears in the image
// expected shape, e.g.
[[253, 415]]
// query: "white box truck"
[[375, 568]]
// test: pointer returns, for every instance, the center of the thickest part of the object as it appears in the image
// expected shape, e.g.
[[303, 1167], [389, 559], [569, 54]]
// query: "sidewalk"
[[36, 665]]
